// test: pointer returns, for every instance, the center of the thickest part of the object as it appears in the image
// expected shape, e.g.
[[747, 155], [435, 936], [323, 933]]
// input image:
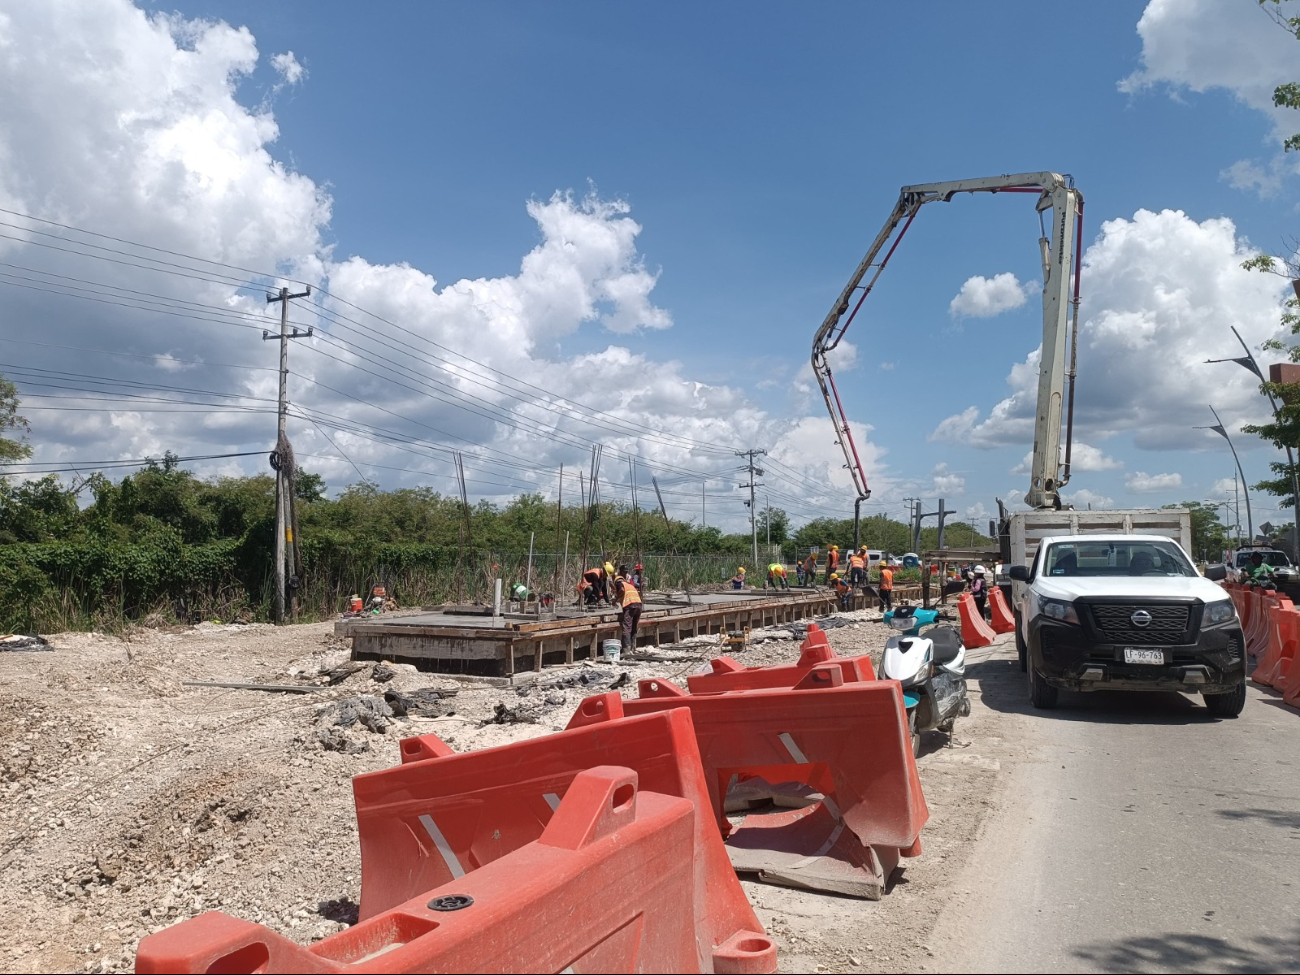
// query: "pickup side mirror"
[[1019, 573], [1216, 573]]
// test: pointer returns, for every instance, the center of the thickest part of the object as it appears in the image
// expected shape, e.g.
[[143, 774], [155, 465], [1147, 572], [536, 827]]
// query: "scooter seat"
[[947, 643]]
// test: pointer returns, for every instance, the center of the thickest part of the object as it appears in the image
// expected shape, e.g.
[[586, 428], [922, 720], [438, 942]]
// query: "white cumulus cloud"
[[1084, 498], [1229, 45], [1159, 292], [288, 67], [946, 482], [1144, 482], [157, 147], [982, 297]]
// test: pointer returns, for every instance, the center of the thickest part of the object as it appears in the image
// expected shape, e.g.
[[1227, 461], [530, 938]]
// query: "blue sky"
[[759, 147]]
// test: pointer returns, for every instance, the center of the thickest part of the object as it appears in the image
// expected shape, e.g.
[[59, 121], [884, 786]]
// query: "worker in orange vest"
[[591, 587], [629, 598], [858, 567], [841, 587], [810, 568], [832, 562], [886, 586]]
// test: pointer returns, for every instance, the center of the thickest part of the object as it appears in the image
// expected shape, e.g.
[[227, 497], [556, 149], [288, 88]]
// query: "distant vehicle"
[[1284, 572], [1115, 611]]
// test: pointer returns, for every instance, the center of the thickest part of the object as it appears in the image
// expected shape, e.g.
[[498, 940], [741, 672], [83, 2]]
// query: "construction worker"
[[629, 598], [832, 562], [810, 569], [886, 587], [799, 571], [858, 567], [738, 580], [979, 588], [592, 587], [842, 588], [776, 577], [637, 578]]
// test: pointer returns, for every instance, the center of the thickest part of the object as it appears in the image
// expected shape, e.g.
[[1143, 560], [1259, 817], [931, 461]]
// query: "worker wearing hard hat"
[[832, 562], [776, 577], [842, 588], [738, 580], [810, 569], [858, 567], [979, 588], [886, 588]]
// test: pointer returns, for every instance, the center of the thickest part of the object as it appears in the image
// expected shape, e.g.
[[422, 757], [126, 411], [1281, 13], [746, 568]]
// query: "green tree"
[[1284, 430], [11, 419], [777, 520], [1209, 536]]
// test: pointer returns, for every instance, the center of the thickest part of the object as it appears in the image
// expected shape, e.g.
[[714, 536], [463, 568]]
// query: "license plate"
[[1136, 655]]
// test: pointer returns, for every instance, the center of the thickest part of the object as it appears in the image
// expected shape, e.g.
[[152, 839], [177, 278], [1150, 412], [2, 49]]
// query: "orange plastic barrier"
[[1291, 695], [1273, 668], [1003, 620], [1258, 629], [847, 741], [1239, 594], [622, 854], [974, 631], [730, 675], [442, 815]]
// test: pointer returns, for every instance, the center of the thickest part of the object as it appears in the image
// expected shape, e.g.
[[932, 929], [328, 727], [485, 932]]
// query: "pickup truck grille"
[[1168, 623]]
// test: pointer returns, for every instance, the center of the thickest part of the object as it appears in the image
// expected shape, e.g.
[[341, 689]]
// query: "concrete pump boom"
[[1060, 255]]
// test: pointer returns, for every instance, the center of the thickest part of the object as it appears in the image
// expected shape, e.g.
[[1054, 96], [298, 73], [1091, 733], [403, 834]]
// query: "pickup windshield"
[[1116, 558]]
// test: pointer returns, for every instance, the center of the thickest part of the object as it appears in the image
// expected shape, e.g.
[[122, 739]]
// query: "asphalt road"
[[1138, 835]]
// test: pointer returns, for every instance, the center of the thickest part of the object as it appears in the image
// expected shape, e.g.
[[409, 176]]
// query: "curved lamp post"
[[1248, 362], [1218, 428]]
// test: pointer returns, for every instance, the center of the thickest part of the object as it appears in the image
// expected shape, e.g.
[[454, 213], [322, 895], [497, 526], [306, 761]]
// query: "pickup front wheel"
[[1227, 705], [1042, 695], [1021, 649]]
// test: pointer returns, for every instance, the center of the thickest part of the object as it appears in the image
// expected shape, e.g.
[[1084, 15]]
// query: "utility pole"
[[753, 471], [282, 458]]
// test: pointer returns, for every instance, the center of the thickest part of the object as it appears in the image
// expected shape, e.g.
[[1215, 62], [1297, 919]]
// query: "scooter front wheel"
[[916, 735]]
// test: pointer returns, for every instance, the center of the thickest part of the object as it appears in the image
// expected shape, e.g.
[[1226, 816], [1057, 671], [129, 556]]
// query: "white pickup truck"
[[1122, 610]]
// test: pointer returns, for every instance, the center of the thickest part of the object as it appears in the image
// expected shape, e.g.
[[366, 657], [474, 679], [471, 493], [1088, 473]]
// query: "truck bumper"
[[1065, 657]]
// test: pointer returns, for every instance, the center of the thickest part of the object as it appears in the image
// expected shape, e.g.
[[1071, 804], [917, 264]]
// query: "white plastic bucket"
[[613, 649]]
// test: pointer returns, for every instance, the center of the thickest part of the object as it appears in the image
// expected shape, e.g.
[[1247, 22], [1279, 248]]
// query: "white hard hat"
[[979, 570]]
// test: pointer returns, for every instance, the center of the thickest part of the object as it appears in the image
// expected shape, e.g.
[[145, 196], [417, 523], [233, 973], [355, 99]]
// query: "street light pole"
[[1248, 362], [1219, 429]]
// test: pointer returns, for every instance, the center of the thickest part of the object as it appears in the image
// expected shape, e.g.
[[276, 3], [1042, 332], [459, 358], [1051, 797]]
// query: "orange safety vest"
[[886, 578], [630, 595], [856, 562], [833, 560]]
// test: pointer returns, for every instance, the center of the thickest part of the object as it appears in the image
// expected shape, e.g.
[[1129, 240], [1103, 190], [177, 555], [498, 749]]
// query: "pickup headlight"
[[1221, 611], [1060, 610]]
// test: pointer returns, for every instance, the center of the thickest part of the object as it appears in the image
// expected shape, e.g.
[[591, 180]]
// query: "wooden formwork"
[[506, 645]]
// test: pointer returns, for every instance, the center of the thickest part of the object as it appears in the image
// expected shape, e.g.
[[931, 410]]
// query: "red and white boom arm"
[[1061, 253]]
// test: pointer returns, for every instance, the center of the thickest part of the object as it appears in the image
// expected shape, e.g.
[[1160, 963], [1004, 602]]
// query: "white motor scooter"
[[930, 668]]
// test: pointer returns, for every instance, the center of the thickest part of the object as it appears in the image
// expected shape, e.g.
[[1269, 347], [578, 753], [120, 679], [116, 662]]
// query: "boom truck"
[[1101, 599], [1060, 249]]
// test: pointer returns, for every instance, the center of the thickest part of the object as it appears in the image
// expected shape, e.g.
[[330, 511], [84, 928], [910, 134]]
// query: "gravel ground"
[[131, 801]]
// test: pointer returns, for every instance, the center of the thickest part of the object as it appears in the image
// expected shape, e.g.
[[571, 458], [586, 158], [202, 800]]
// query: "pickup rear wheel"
[[1227, 705], [1042, 695]]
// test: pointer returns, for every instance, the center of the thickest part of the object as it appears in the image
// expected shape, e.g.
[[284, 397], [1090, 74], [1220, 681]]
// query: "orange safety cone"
[[1003, 621], [974, 631]]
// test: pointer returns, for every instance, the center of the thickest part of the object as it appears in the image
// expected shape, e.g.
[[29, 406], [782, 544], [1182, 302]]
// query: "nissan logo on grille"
[[1140, 618]]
